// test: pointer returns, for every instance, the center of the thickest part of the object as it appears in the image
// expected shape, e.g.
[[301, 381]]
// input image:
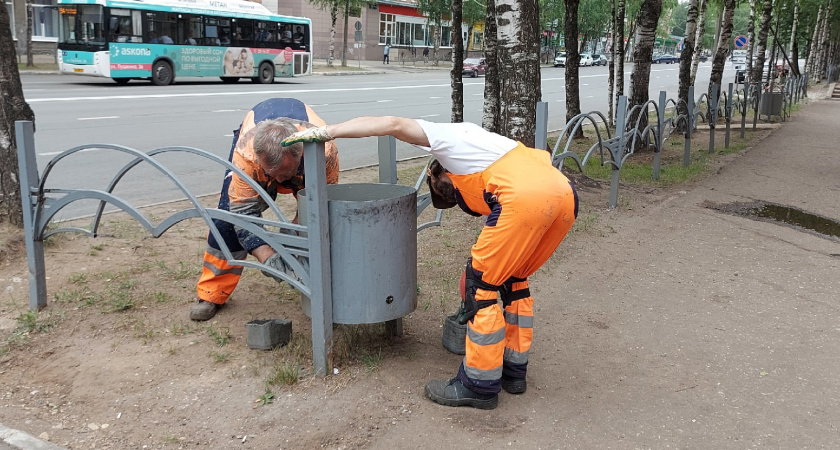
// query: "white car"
[[586, 59], [560, 60]]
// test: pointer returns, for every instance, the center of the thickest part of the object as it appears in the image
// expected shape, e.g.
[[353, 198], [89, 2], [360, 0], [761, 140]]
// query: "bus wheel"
[[265, 75], [229, 79], [122, 81], [162, 73]]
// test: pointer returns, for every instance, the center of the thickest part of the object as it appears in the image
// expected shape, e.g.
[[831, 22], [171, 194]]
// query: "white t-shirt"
[[464, 148]]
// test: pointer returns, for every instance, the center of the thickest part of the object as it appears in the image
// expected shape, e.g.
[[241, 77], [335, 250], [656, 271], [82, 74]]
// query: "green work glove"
[[276, 262], [314, 134]]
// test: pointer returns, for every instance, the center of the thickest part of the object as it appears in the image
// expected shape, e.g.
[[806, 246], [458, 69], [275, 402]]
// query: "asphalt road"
[[72, 111]]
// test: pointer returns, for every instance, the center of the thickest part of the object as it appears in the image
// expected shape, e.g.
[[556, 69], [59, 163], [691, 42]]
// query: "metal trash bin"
[[373, 251], [771, 103]]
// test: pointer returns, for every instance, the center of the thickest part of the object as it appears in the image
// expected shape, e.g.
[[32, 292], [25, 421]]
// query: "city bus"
[[162, 40]]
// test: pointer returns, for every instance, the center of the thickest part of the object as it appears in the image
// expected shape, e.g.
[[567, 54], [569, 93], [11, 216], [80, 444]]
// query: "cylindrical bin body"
[[373, 251]]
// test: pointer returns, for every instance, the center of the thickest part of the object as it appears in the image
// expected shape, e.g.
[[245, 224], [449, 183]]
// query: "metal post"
[[618, 152], [660, 127], [805, 85], [689, 124], [387, 159], [29, 181], [388, 174], [757, 103], [729, 113], [745, 102], [712, 116], [541, 134], [320, 271]]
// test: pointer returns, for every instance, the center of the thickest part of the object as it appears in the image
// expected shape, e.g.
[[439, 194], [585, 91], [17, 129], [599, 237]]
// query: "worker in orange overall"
[[529, 207], [257, 150]]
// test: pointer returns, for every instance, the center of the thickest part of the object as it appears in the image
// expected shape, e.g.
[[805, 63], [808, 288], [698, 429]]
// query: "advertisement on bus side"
[[135, 60]]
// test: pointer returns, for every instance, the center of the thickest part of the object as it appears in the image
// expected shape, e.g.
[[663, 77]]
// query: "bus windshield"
[[82, 25]]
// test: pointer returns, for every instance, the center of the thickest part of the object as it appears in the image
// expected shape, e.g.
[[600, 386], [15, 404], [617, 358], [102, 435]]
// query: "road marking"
[[590, 96], [226, 110], [80, 151], [428, 115], [481, 93], [228, 135], [285, 92], [435, 97], [384, 101], [98, 118]]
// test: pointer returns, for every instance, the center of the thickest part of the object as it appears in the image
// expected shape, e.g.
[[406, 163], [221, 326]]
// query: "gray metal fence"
[[634, 130], [305, 249]]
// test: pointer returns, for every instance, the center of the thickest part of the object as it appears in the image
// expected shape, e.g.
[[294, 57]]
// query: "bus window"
[[300, 37]]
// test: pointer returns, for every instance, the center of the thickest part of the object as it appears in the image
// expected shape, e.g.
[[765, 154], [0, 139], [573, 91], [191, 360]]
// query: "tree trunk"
[[436, 62], [346, 25], [30, 61], [687, 59], [812, 49], [333, 20], [642, 55], [457, 41], [619, 50], [723, 47], [611, 80], [761, 45], [822, 60], [792, 51], [492, 103], [518, 49], [718, 28], [13, 107], [751, 37], [572, 62], [698, 40]]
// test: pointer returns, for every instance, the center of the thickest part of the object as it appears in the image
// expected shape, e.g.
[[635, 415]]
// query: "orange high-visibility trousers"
[[532, 208]]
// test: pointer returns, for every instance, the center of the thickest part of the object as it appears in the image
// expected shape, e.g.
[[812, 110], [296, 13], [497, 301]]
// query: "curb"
[[20, 440]]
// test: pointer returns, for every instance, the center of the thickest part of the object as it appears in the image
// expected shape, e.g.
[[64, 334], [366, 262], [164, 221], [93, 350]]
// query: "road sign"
[[358, 36], [358, 26], [741, 42]]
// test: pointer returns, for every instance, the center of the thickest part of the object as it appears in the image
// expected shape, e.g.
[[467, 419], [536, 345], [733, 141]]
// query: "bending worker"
[[277, 169], [529, 207]]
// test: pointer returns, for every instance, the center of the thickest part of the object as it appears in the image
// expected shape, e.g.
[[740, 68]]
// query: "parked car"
[[586, 59], [560, 60], [600, 59], [474, 67], [666, 59], [704, 58]]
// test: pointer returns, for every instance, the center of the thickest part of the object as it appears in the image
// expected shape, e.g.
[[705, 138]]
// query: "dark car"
[[704, 58], [666, 59], [474, 67], [599, 59]]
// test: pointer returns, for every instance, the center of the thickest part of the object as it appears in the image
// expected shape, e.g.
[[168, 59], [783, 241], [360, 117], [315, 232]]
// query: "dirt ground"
[[114, 361]]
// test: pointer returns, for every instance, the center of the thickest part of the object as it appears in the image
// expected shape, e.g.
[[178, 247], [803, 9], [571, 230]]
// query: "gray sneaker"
[[202, 311]]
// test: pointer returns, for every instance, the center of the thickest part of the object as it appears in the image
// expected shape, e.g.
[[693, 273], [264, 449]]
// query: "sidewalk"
[[673, 324]]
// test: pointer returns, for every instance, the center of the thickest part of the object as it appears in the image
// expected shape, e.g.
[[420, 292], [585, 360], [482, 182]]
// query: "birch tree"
[[722, 49], [645, 39], [687, 57], [572, 60], [761, 44], [456, 75], [518, 46], [792, 47], [698, 39], [492, 102], [751, 37]]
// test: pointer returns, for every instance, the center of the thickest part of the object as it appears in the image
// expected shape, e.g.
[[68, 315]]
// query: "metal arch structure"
[[305, 249]]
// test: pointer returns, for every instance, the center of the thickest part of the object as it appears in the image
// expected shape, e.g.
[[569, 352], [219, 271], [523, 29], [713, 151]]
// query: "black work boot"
[[514, 385], [203, 310], [454, 393]]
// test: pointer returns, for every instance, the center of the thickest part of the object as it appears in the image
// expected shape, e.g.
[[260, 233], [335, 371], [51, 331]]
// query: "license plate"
[[78, 70]]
